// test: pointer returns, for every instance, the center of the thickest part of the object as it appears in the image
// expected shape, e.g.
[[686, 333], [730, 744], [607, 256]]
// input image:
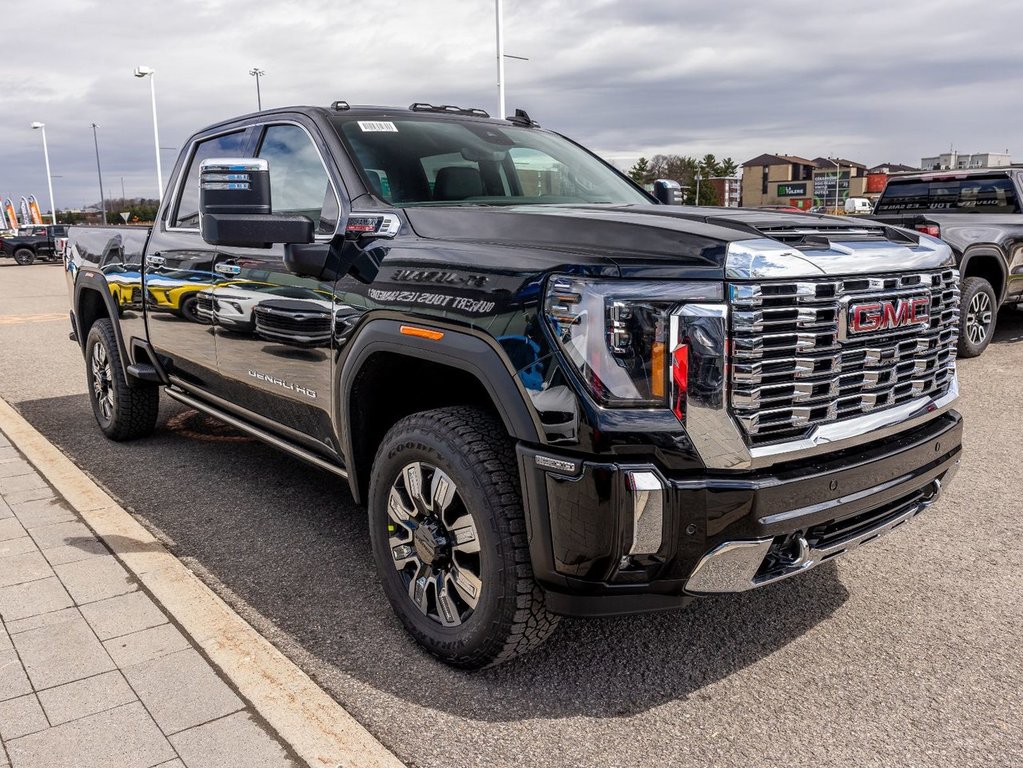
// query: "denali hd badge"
[[886, 314]]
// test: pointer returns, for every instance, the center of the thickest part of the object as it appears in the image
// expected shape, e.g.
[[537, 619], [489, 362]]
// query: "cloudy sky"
[[871, 81]]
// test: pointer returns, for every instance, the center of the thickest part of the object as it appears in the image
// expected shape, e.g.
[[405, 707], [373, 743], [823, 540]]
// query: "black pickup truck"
[[977, 212], [553, 395], [35, 242]]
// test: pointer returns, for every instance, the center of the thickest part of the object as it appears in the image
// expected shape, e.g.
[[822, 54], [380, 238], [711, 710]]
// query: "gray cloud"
[[872, 81]]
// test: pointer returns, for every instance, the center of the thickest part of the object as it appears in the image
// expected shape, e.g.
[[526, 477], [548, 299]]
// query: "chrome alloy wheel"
[[434, 544], [978, 318], [102, 381]]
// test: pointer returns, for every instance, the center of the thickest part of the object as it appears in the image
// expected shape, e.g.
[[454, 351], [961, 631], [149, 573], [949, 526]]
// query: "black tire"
[[24, 256], [190, 308], [978, 313], [122, 411], [471, 449]]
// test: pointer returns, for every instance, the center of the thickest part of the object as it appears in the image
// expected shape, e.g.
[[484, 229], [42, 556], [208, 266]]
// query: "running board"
[[256, 432]]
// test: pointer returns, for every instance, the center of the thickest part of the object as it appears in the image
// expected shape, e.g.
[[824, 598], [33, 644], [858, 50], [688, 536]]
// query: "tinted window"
[[975, 194], [229, 145], [298, 181]]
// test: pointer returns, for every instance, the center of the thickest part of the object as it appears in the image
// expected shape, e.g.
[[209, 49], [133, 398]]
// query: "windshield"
[[972, 194], [417, 161]]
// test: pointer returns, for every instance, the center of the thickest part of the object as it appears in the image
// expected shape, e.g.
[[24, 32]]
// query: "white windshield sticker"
[[377, 126]]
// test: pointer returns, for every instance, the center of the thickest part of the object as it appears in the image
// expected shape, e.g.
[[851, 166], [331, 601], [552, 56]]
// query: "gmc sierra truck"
[[553, 395], [35, 242], [977, 212]]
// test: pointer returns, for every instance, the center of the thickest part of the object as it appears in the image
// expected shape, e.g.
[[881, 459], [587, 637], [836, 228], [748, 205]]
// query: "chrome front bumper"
[[738, 566]]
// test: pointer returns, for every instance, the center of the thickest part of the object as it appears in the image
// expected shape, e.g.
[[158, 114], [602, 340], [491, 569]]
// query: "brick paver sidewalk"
[[92, 672]]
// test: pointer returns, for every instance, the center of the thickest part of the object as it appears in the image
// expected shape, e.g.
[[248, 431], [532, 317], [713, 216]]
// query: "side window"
[[228, 145], [298, 181]]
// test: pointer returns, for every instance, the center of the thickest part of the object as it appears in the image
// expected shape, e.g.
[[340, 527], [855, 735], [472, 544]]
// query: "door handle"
[[155, 261], [227, 269]]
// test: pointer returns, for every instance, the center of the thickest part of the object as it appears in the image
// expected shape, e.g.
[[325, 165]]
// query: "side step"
[[256, 432], [144, 371]]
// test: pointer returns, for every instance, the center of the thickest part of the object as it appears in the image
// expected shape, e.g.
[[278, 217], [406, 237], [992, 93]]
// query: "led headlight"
[[619, 337]]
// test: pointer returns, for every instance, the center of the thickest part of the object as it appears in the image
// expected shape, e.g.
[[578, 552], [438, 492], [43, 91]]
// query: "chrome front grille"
[[796, 363]]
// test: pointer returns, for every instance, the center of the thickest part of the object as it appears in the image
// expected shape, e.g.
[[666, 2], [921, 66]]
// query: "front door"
[[272, 328], [178, 267]]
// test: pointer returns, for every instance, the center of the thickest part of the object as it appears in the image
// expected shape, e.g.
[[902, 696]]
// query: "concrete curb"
[[320, 731]]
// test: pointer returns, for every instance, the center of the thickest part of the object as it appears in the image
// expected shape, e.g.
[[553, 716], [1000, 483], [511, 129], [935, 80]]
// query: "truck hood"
[[766, 243]]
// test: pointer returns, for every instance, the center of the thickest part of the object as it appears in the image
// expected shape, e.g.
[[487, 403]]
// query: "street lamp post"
[[257, 73], [151, 74], [699, 178], [49, 178], [499, 9], [99, 172], [501, 56]]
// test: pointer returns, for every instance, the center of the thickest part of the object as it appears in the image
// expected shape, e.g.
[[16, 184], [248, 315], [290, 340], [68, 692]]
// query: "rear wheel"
[[24, 256], [449, 538], [122, 411], [978, 312]]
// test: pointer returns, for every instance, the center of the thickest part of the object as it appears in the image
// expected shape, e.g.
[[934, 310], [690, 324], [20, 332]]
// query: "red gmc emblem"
[[884, 314]]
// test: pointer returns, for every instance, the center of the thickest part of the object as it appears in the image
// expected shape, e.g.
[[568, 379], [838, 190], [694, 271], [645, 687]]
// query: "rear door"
[[273, 328]]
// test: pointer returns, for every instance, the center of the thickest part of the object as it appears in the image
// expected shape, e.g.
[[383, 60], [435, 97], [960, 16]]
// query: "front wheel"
[[449, 538], [24, 256], [123, 412], [978, 311]]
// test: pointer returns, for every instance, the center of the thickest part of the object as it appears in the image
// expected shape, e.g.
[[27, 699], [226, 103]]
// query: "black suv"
[[554, 395]]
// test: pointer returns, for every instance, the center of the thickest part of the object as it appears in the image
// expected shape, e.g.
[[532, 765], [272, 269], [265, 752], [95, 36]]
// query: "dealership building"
[[801, 183]]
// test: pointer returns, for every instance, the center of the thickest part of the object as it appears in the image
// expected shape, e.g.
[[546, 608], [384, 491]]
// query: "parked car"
[[35, 242], [553, 395], [977, 212]]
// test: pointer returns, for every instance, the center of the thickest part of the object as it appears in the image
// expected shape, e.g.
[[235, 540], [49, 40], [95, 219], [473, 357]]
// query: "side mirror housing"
[[235, 208], [668, 192]]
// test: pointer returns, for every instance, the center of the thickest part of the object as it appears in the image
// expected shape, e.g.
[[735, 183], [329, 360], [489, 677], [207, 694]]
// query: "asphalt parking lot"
[[906, 652]]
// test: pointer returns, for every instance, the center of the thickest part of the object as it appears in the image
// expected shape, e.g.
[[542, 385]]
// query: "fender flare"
[[476, 354], [987, 251], [94, 281]]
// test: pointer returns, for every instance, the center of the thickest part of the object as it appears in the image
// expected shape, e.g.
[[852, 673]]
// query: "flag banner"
[[12, 215], [33, 207], [26, 217]]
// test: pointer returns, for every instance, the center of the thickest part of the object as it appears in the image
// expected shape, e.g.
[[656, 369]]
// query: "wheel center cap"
[[430, 542]]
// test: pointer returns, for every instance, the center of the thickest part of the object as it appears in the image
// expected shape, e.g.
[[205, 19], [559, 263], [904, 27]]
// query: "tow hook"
[[795, 553]]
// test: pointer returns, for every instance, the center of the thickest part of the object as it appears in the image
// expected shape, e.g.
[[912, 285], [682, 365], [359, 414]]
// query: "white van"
[[855, 206]]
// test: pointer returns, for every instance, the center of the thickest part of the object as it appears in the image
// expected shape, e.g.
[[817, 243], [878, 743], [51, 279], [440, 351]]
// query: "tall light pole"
[[257, 73], [49, 178], [151, 74], [500, 56], [99, 172]]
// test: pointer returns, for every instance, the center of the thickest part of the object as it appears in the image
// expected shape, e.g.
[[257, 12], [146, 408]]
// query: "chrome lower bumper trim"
[[734, 565], [721, 446]]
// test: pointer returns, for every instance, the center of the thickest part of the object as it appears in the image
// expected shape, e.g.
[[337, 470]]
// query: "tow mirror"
[[668, 192], [235, 208]]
